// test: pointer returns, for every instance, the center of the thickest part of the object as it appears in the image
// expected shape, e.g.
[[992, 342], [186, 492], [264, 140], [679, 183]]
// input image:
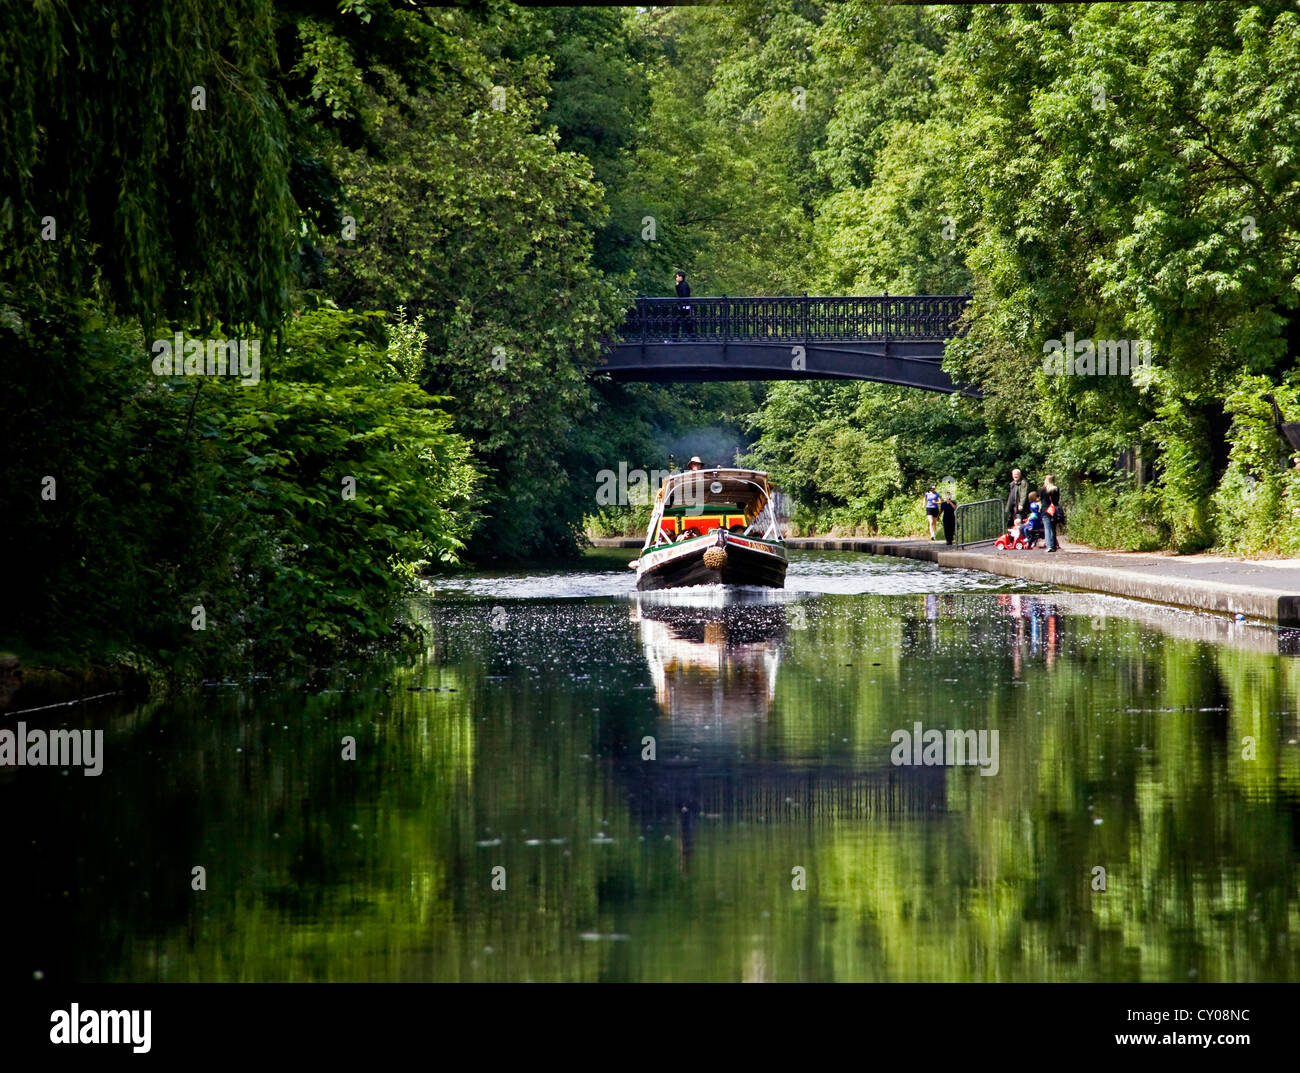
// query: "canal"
[[577, 784]]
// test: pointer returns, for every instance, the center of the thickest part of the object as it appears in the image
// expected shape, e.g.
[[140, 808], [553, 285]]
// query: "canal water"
[[575, 783]]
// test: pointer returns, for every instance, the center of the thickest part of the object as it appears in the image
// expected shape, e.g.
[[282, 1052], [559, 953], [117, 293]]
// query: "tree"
[[161, 184]]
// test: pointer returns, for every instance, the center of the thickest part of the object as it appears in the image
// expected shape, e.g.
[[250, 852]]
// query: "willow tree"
[[147, 176], [143, 158]]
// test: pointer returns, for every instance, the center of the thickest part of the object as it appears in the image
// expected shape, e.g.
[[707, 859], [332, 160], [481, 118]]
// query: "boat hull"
[[748, 562]]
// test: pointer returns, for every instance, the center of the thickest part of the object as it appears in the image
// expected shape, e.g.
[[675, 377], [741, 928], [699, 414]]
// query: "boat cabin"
[[695, 503]]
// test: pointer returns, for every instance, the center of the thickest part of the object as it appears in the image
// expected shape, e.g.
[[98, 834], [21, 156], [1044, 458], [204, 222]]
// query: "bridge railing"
[[981, 521], [795, 319]]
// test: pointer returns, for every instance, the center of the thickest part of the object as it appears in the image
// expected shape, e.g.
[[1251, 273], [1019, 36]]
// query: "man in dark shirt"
[[1018, 497], [683, 321]]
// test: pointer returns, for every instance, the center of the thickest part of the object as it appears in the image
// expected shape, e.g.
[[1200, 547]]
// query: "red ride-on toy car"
[[1012, 538]]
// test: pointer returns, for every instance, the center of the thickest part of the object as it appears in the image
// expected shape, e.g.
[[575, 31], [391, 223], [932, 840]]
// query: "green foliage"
[[406, 347], [598, 100], [860, 456], [724, 163], [326, 422], [172, 493], [1114, 171], [1118, 516], [164, 209], [893, 237], [473, 218], [1121, 185], [1257, 504], [629, 521]]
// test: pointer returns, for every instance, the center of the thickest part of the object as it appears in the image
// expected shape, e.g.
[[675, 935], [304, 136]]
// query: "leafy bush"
[[1123, 517], [858, 457], [1256, 507], [170, 493], [618, 521]]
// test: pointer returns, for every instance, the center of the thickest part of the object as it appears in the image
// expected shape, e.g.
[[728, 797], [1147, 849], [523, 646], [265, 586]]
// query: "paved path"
[[1267, 589], [1264, 589]]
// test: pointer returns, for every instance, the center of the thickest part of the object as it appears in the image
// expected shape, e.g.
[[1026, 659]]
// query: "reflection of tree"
[[1109, 757], [377, 871]]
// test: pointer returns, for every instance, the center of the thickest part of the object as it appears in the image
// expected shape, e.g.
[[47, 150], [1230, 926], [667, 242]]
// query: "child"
[[1011, 538], [1032, 530]]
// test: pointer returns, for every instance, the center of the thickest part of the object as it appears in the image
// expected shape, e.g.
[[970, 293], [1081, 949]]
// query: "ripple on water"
[[831, 572]]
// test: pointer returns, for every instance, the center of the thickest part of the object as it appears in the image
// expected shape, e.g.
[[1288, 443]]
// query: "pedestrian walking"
[[1053, 517], [932, 511]]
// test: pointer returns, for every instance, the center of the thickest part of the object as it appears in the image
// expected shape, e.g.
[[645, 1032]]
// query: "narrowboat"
[[712, 527]]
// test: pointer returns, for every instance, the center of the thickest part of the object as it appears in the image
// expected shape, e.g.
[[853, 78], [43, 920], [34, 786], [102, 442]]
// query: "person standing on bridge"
[[682, 323]]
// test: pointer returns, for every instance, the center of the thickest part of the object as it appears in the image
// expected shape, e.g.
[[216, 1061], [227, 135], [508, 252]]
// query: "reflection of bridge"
[[892, 340]]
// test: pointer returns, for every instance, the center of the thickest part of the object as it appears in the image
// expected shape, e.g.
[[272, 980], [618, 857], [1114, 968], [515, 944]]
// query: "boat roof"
[[721, 484]]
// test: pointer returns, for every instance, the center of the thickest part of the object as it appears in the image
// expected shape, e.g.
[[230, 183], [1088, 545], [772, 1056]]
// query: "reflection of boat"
[[716, 663], [711, 527], [713, 656]]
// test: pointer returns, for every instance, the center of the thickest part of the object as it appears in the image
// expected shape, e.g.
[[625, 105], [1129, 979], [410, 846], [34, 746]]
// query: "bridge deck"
[[804, 318], [893, 340]]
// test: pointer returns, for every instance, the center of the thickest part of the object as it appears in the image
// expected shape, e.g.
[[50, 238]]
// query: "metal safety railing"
[[981, 521], [796, 318]]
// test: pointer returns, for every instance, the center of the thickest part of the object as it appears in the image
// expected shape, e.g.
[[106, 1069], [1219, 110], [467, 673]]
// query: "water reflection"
[[714, 665], [714, 661], [1163, 747], [1037, 629]]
